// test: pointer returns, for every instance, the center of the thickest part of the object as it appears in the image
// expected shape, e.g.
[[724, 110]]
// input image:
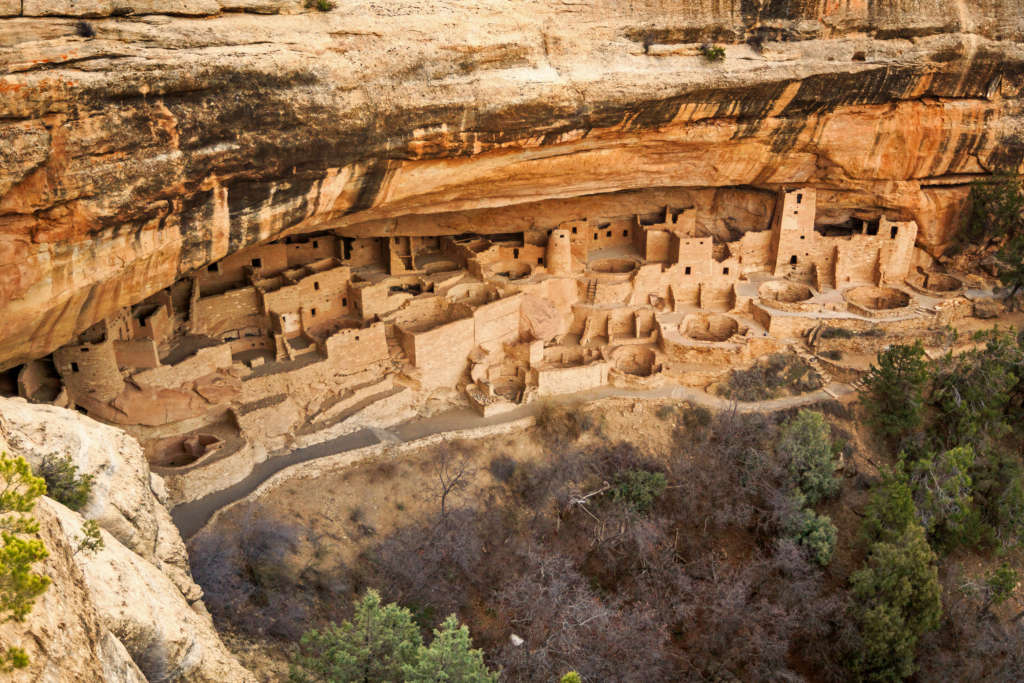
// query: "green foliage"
[[973, 391], [382, 643], [19, 586], [375, 645], [571, 677], [449, 657], [896, 600], [91, 540], [1000, 584], [712, 53], [816, 533], [996, 205], [1011, 264], [639, 488], [64, 483], [942, 490], [894, 391], [806, 444], [890, 509], [320, 5], [13, 658], [18, 496]]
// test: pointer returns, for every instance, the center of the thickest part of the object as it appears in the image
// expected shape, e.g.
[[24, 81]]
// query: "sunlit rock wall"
[[162, 143]]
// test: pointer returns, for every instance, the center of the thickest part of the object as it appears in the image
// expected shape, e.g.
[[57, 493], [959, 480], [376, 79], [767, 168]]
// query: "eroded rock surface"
[[129, 612], [163, 143]]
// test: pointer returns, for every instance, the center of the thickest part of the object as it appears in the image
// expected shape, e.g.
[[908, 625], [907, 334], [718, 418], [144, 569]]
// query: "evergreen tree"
[[943, 496], [19, 585], [375, 645], [890, 509], [894, 392], [806, 443], [449, 657], [897, 599]]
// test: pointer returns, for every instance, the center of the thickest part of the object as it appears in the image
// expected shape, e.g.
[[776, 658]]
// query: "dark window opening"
[[892, 232], [74, 366], [515, 253], [574, 230], [316, 285], [803, 237], [213, 268], [859, 56], [872, 227], [312, 312], [315, 244], [609, 233], [625, 233], [85, 349], [257, 263], [540, 261], [142, 322], [725, 271], [687, 270], [792, 260], [799, 198], [357, 337], [595, 236], [344, 301]]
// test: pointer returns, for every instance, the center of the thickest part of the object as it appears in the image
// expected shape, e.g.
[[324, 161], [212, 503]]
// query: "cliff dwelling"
[[305, 333]]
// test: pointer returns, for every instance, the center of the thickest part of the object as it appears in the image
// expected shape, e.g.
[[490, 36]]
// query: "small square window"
[[315, 244], [625, 233], [725, 271], [540, 261], [74, 366], [257, 263], [357, 337], [609, 233], [802, 236], [213, 268]]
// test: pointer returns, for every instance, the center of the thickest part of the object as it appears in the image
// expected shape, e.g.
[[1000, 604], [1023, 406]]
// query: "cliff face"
[[163, 143], [130, 611]]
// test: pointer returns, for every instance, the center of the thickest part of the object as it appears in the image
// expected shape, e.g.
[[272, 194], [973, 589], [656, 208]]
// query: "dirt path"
[[190, 517]]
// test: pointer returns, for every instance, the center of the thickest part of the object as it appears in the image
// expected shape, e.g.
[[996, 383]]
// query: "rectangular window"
[[74, 366], [574, 229], [609, 233], [892, 232], [312, 312], [316, 285], [687, 270], [257, 263], [725, 271], [315, 244], [540, 261], [344, 302], [799, 198], [213, 268], [625, 233], [595, 236]]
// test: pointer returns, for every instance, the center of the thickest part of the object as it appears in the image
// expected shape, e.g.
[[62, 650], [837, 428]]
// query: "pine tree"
[[897, 598], [806, 443], [375, 645], [450, 657], [894, 392]]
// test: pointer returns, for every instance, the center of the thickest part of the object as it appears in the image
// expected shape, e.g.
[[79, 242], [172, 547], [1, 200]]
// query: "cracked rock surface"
[[161, 143]]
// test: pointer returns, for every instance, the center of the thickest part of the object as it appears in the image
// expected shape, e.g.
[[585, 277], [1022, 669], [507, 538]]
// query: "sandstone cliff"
[[162, 143], [129, 612]]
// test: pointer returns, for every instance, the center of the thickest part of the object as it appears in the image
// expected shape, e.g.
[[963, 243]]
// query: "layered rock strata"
[[159, 144]]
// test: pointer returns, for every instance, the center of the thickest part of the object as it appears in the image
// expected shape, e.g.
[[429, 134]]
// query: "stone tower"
[[559, 253]]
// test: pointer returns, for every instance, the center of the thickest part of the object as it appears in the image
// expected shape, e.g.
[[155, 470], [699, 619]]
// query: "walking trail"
[[192, 516]]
